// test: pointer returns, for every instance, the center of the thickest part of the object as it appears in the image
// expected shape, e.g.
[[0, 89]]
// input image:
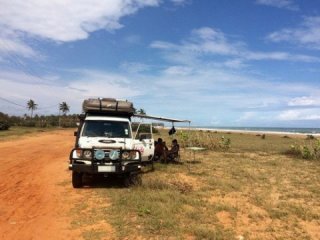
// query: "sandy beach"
[[226, 130]]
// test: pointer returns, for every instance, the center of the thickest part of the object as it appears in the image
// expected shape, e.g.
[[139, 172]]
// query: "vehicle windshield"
[[110, 129]]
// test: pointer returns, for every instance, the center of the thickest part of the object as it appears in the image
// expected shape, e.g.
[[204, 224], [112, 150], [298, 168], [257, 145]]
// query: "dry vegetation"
[[251, 191]]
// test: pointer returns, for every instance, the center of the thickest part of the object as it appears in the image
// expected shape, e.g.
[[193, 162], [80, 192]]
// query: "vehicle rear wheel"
[[77, 180]]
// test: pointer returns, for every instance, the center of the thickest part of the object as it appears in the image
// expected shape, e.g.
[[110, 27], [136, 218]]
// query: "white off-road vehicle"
[[105, 144]]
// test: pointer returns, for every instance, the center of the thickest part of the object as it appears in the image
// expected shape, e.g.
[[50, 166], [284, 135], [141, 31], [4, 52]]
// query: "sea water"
[[267, 129]]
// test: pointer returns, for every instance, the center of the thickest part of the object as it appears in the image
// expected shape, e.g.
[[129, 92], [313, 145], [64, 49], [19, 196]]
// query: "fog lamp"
[[114, 155], [99, 154]]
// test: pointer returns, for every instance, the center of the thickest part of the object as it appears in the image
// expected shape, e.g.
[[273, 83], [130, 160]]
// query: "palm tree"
[[142, 111], [31, 105], [64, 108]]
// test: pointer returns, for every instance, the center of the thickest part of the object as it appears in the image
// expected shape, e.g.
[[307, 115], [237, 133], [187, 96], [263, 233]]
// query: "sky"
[[216, 63]]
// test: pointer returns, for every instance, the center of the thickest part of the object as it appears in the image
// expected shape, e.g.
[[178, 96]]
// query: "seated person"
[[160, 149], [174, 151]]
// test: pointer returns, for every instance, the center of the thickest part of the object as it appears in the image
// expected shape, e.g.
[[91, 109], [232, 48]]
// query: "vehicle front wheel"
[[132, 180], [77, 180]]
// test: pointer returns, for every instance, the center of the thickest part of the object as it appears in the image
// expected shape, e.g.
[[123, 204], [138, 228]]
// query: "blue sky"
[[217, 63]]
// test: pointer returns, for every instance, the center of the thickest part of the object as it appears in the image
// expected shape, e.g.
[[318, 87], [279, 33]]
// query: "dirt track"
[[35, 190]]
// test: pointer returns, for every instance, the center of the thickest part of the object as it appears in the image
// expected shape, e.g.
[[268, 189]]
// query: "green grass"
[[15, 132], [253, 190]]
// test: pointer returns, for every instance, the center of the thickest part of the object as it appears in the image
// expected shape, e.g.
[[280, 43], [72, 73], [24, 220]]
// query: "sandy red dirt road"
[[33, 186]]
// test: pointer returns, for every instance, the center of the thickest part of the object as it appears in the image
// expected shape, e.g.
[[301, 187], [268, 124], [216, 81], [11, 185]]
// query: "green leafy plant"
[[308, 150], [4, 125], [208, 140]]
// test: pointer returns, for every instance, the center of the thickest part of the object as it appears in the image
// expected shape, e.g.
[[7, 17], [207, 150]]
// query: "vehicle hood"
[[102, 142]]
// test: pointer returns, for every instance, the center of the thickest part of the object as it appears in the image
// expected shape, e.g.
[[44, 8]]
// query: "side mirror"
[[75, 133]]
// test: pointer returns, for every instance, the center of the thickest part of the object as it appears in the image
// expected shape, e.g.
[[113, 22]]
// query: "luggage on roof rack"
[[107, 105]]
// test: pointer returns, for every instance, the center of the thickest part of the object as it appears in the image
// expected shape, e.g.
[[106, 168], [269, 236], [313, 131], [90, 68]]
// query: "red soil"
[[35, 189]]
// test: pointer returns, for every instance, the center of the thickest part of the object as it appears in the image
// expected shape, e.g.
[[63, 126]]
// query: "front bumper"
[[92, 166], [103, 169]]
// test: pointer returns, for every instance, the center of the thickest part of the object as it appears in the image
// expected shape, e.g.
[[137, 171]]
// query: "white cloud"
[[15, 46], [306, 34], [11, 45], [207, 33], [162, 45], [281, 56], [19, 88], [198, 92], [247, 116], [208, 42], [202, 41], [103, 84], [180, 2], [286, 4], [199, 74], [134, 67], [67, 20], [178, 70], [303, 114], [304, 101], [61, 21], [235, 63], [133, 39]]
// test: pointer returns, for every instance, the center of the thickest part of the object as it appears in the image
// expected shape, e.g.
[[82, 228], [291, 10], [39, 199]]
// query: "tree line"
[[43, 121]]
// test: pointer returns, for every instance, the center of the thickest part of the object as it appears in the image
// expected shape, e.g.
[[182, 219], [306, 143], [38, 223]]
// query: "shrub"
[[203, 139], [310, 137], [29, 123], [310, 150], [4, 125], [225, 143]]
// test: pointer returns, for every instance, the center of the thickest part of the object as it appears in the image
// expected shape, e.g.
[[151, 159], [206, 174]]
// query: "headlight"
[[125, 155], [87, 154], [114, 155], [78, 153], [130, 155], [99, 154]]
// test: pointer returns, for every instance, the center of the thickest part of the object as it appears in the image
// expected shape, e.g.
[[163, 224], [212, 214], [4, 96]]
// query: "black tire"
[[77, 180], [136, 179], [131, 180], [126, 181]]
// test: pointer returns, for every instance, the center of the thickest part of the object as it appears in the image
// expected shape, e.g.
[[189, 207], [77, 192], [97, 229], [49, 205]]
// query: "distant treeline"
[[42, 121]]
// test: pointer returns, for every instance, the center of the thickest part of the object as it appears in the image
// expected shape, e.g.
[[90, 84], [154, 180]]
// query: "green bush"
[[29, 123], [310, 137], [4, 125], [207, 140], [309, 150], [225, 143]]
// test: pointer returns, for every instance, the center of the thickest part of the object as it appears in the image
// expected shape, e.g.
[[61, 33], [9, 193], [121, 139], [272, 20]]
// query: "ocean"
[[265, 129]]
